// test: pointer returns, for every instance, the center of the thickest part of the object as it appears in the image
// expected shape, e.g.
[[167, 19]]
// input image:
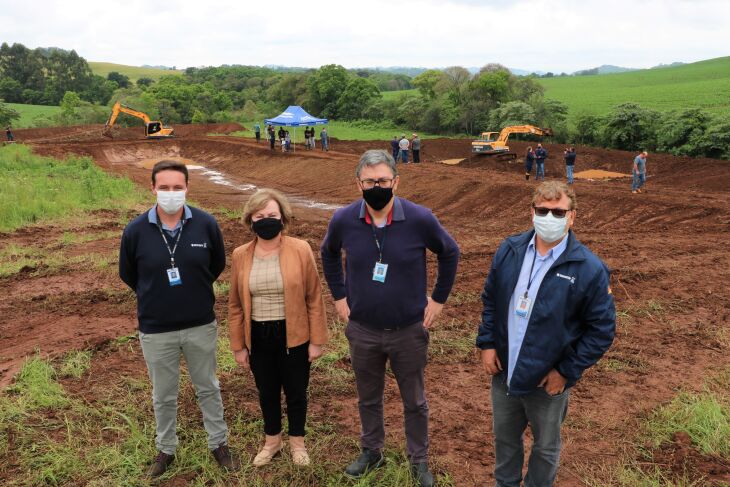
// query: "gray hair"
[[374, 157]]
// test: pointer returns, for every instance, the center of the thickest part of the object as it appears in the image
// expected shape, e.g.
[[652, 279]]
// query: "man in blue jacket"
[[540, 156], [170, 256], [548, 316], [383, 297]]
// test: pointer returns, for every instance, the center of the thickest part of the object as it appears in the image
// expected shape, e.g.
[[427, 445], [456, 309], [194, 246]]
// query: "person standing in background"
[[569, 163], [416, 148]]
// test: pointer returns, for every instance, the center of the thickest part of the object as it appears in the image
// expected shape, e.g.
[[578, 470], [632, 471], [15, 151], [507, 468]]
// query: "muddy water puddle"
[[220, 178]]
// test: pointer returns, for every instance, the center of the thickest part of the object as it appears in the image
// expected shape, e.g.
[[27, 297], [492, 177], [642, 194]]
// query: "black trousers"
[[274, 367], [416, 155]]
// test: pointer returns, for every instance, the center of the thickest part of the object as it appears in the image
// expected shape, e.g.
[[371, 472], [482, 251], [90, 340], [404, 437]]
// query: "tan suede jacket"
[[304, 305]]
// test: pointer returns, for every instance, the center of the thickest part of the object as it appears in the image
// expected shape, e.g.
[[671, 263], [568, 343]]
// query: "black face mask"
[[267, 228], [377, 197]]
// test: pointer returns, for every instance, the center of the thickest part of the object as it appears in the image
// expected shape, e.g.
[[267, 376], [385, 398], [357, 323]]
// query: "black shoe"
[[225, 458], [368, 460], [422, 474], [160, 464]]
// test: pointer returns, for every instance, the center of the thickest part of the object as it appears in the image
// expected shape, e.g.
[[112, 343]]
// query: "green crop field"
[[29, 112], [133, 72], [705, 84], [389, 95]]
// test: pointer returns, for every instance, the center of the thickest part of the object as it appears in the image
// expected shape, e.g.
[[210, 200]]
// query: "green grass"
[[705, 85], [391, 95], [340, 130], [133, 72], [28, 113], [39, 188]]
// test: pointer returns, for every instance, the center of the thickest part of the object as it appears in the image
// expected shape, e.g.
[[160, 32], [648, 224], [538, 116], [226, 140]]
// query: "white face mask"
[[170, 201], [549, 228]]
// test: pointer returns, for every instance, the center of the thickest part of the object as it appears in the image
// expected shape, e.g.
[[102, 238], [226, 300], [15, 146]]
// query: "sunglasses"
[[557, 212]]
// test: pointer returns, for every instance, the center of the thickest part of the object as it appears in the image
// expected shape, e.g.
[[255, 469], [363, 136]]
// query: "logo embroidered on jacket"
[[201, 245], [570, 278]]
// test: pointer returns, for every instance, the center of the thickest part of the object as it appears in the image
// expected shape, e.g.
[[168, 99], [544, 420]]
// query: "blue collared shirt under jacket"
[[517, 325], [573, 318]]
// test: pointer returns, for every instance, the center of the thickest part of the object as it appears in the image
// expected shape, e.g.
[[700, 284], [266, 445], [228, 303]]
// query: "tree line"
[[449, 101]]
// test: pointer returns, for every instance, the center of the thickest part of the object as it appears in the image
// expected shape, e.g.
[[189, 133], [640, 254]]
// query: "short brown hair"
[[552, 191], [260, 199], [168, 165]]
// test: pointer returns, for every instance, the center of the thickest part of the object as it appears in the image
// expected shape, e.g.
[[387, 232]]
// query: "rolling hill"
[[133, 72], [704, 84]]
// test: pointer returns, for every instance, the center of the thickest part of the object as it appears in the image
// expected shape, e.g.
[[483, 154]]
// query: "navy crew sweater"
[[401, 300], [144, 261]]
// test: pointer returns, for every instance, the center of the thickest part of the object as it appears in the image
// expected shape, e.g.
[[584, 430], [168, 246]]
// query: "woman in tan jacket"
[[276, 319]]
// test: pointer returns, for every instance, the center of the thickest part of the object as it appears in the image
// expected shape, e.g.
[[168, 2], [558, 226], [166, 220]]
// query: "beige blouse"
[[267, 289]]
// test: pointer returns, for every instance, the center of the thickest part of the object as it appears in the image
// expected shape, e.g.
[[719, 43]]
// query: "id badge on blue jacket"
[[379, 272], [173, 275], [523, 307]]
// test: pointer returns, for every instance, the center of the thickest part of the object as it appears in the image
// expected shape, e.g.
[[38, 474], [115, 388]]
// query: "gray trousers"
[[407, 350], [162, 353], [545, 414]]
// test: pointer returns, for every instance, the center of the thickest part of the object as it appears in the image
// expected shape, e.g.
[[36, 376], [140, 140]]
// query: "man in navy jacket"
[[548, 316]]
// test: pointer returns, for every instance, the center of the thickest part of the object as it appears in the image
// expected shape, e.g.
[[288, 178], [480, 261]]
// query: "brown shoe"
[[225, 458], [160, 464]]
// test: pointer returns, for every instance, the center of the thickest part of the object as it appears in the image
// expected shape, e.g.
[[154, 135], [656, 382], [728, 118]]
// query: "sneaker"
[[633, 192], [225, 459], [422, 474], [368, 460], [160, 464]]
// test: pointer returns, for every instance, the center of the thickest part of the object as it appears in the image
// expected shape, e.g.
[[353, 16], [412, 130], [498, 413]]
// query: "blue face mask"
[[549, 228]]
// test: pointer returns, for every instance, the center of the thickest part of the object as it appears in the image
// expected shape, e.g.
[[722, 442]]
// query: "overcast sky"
[[547, 35]]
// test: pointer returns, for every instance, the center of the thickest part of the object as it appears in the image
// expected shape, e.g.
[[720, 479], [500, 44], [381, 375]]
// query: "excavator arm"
[[152, 129], [522, 129]]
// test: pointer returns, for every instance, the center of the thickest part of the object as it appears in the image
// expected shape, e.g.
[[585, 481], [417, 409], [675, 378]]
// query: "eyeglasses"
[[557, 212], [382, 182]]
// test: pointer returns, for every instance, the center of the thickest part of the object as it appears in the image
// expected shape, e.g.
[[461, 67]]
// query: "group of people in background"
[[401, 147], [537, 157], [548, 316], [285, 137]]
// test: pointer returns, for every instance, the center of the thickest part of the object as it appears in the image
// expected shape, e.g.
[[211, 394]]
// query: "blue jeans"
[[540, 170], [569, 173], [639, 180], [511, 415], [404, 156]]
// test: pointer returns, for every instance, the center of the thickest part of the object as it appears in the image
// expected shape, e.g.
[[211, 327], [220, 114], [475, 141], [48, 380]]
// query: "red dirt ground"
[[667, 249]]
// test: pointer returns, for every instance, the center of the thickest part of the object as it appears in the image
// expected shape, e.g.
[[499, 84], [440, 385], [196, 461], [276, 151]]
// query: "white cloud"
[[556, 35]]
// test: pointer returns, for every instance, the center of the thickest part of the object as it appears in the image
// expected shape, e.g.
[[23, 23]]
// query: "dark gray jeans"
[[407, 350], [545, 414]]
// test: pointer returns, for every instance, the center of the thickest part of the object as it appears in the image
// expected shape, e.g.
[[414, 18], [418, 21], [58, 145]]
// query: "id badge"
[[380, 271], [523, 307], [173, 275]]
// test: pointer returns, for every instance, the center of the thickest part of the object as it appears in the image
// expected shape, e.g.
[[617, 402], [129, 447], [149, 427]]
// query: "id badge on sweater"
[[173, 275], [379, 272]]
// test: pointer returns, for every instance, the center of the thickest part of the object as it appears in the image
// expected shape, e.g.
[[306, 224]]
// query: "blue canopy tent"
[[295, 116]]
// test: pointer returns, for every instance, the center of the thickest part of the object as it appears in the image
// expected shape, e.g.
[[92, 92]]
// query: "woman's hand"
[[315, 351], [241, 357]]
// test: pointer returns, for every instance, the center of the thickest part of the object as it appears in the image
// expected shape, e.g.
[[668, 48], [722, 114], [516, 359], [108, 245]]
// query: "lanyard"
[[378, 244], [531, 278], [177, 240]]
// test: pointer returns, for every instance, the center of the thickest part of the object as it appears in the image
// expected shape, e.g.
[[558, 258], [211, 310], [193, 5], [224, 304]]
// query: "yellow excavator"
[[495, 144], [152, 129]]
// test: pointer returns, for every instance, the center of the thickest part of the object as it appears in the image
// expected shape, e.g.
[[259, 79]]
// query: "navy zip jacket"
[[540, 154], [401, 300], [144, 261], [573, 319]]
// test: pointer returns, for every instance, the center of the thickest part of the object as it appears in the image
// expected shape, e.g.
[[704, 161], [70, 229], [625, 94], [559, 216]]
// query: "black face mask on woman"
[[377, 197], [267, 228]]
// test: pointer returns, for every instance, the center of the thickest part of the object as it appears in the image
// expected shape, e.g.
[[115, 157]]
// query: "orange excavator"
[[152, 129], [494, 144]]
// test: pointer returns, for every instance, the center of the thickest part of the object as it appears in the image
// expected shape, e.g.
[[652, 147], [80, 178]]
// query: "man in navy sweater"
[[383, 296], [548, 316], [170, 256]]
